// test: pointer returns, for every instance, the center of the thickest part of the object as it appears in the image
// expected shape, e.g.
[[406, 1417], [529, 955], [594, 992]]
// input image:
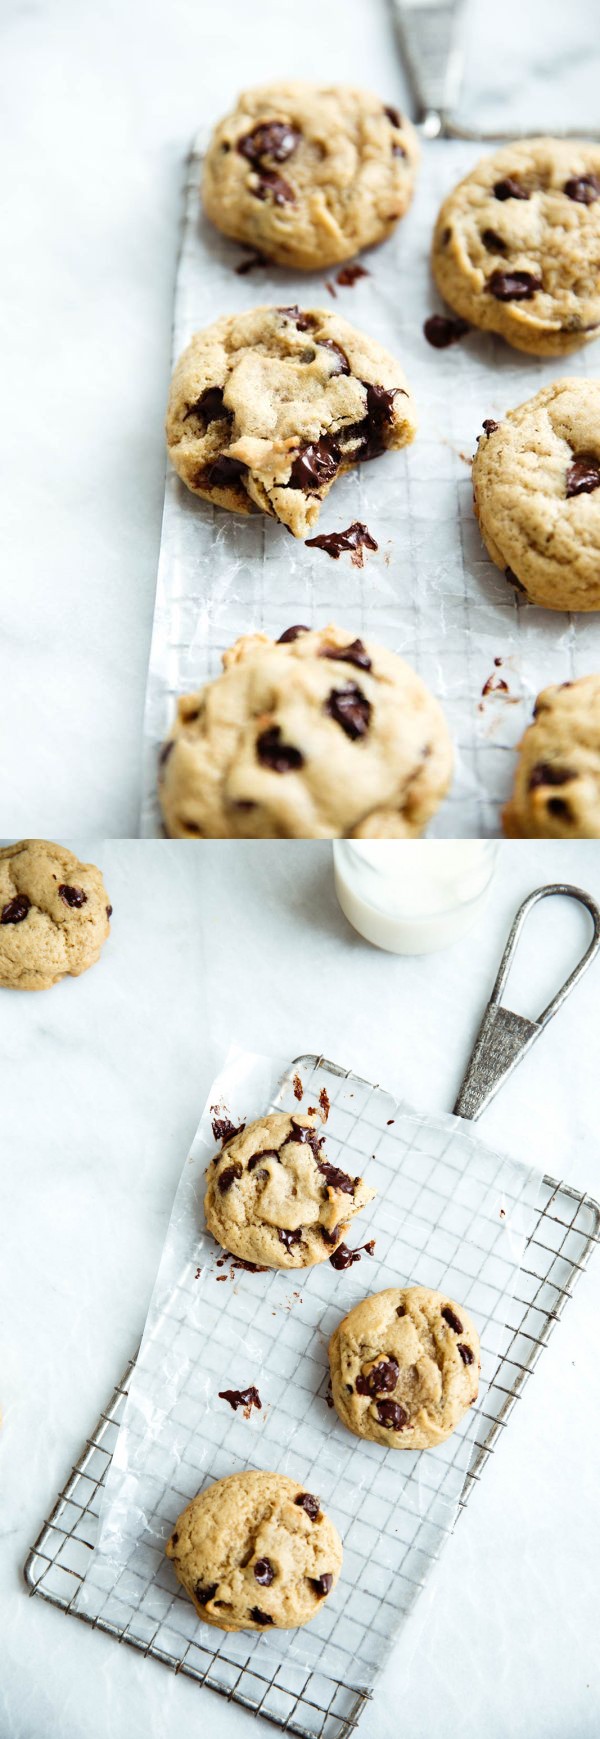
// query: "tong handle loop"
[[568, 892]]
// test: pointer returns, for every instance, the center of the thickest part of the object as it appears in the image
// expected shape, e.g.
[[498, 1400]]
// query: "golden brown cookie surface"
[[404, 1367], [54, 914]]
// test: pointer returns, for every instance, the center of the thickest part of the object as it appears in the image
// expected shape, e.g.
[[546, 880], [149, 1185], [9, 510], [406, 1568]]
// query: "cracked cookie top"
[[273, 1198], [268, 407], [516, 248], [256, 1551], [536, 483], [309, 174], [54, 914], [404, 1367], [557, 782], [319, 735]]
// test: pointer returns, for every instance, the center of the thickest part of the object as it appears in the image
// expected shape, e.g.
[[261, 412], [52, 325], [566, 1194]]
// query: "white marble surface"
[[97, 107], [102, 1082]]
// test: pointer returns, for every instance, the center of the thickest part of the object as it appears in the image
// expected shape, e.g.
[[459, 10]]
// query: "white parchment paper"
[[450, 1213], [429, 591]]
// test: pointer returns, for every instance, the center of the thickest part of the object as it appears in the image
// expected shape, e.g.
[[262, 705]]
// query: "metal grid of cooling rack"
[[430, 591], [293, 1694]]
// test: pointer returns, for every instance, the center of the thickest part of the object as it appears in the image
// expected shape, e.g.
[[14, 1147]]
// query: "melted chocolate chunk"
[[342, 363], [557, 806], [321, 1584], [354, 653], [209, 407], [393, 115], [304, 322], [452, 1320], [383, 1376], [269, 182], [355, 538], [466, 1353], [289, 1239], [292, 634], [241, 1398], [229, 1176], [204, 1594], [583, 476], [513, 286], [510, 189], [303, 1132], [274, 139], [513, 581], [545, 774], [314, 465], [223, 471], [444, 329], [392, 1415], [15, 910], [350, 275], [307, 1502], [257, 1159], [335, 1178], [350, 709], [258, 1616], [493, 242], [224, 1130], [489, 425], [73, 897], [330, 1237], [264, 1572], [584, 189], [279, 757]]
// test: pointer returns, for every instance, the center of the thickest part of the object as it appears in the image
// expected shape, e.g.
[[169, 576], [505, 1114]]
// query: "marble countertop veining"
[[103, 1080]]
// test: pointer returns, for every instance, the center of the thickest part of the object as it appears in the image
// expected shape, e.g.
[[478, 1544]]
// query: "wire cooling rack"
[[148, 1612]]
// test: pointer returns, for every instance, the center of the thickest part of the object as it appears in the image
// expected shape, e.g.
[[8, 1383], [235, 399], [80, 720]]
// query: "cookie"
[[536, 486], [404, 1367], [318, 735], [273, 1198], [516, 248], [309, 174], [255, 1551], [267, 408], [557, 782], [54, 914]]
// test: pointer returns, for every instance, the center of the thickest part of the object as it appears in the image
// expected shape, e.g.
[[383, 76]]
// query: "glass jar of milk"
[[415, 895]]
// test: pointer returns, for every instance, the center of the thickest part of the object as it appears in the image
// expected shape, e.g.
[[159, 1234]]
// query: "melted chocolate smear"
[[330, 1237], [270, 183], [249, 264], [258, 1616], [229, 1176], [241, 1398], [510, 189], [289, 1239], [444, 329], [350, 709], [224, 1130], [336, 1178], [584, 189], [15, 910], [304, 322], [466, 1353], [545, 774], [495, 685], [204, 1594], [452, 1320], [583, 476], [209, 407], [383, 1376], [224, 471], [344, 1258], [342, 365], [72, 897], [392, 1415], [307, 1502], [513, 286], [356, 538], [264, 1572], [321, 1584], [279, 757], [275, 139], [290, 634], [349, 275], [314, 465], [302, 1132], [380, 411]]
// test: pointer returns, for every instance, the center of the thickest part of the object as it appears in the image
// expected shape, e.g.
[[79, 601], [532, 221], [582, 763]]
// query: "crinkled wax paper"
[[449, 1213], [429, 591]]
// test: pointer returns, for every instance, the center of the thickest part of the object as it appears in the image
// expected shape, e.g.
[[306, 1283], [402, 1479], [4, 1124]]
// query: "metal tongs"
[[429, 36]]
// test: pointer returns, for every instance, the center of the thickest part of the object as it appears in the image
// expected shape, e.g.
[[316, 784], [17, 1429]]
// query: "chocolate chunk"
[[224, 1130], [314, 465], [510, 189], [15, 910], [513, 286], [209, 407], [279, 757], [264, 1572], [257, 1159], [167, 749], [583, 476], [379, 412], [350, 709], [452, 1320], [342, 363], [383, 1376], [304, 1133], [349, 275], [269, 182], [259, 1617], [330, 1237], [493, 242], [545, 774], [584, 189], [304, 322], [241, 1398], [343, 1257], [335, 1178], [309, 1503], [513, 581], [321, 1584], [557, 806], [355, 538], [109, 911], [290, 634], [401, 1310], [444, 329], [223, 471], [288, 1238], [466, 1353], [393, 115], [204, 1594], [174, 1539], [392, 1415], [274, 139], [229, 1176], [354, 653], [72, 896], [489, 425]]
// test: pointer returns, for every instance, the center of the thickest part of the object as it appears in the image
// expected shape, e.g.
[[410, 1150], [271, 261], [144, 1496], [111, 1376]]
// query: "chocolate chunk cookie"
[[557, 782], [516, 248], [536, 482], [255, 1551], [309, 174], [319, 735], [274, 1198], [404, 1367], [267, 408], [54, 914]]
